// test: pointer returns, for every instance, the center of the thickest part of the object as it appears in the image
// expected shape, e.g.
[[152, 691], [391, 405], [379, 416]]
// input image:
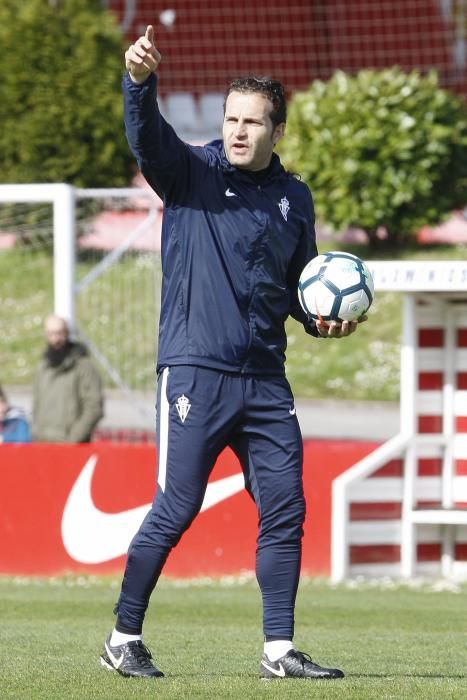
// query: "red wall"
[[37, 481], [210, 42]]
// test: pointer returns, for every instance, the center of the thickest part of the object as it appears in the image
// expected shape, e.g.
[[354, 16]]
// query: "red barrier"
[[75, 509]]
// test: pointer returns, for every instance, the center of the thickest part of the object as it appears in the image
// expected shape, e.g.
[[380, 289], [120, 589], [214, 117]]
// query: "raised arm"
[[163, 158]]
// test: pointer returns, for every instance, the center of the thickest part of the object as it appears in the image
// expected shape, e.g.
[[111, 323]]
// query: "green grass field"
[[393, 641]]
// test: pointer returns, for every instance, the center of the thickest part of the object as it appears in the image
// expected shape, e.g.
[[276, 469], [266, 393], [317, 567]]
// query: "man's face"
[[56, 334], [248, 132]]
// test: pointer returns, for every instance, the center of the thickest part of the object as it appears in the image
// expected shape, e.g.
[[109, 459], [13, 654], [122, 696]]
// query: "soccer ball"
[[335, 286]]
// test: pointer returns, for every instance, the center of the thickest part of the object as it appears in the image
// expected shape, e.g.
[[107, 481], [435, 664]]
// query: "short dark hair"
[[272, 89]]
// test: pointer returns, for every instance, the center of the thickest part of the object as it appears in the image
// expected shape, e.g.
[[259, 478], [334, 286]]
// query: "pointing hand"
[[142, 57]]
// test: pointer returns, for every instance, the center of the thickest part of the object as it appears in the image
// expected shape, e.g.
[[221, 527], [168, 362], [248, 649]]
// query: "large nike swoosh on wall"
[[91, 536]]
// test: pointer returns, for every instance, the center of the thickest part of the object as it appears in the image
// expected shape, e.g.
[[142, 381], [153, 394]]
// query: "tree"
[[61, 63], [383, 149]]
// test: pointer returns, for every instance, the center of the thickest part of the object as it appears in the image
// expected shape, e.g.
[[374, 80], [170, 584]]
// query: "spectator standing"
[[14, 426], [67, 393]]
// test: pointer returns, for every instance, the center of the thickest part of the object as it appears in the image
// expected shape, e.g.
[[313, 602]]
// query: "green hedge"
[[60, 100], [379, 149]]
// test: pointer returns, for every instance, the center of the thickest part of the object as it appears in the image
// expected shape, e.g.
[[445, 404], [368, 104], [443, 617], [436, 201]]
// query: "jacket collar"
[[274, 169]]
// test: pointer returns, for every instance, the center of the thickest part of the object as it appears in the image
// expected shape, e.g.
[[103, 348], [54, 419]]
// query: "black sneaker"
[[295, 664], [130, 659]]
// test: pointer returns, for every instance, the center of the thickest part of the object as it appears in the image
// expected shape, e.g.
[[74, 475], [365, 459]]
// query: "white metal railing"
[[409, 444], [340, 502]]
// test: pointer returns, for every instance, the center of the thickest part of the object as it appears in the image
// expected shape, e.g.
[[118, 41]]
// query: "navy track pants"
[[200, 411]]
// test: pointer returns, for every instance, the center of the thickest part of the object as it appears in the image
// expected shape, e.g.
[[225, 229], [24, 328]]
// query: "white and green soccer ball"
[[336, 286]]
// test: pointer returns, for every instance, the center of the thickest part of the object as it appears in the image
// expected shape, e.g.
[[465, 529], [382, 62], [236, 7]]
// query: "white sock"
[[119, 638], [277, 649]]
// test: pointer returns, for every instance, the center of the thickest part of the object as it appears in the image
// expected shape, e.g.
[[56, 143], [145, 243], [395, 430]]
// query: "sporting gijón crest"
[[183, 406], [284, 206]]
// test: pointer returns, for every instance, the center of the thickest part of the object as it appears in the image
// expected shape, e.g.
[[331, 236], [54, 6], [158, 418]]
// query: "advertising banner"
[[75, 508]]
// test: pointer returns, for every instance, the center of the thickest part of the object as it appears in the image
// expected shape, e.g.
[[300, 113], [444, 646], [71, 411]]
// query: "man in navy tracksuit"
[[237, 231]]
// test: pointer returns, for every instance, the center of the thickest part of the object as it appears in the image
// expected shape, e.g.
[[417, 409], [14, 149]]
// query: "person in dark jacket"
[[67, 393], [237, 232], [14, 426]]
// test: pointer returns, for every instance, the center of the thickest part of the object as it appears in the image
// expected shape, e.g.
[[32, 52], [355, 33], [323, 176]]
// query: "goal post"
[[62, 198]]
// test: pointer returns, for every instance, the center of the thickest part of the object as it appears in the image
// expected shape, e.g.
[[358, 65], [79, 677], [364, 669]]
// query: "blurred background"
[[205, 43], [376, 86]]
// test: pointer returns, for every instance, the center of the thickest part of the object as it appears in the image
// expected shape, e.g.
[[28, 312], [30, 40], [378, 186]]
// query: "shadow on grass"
[[392, 676], [354, 676]]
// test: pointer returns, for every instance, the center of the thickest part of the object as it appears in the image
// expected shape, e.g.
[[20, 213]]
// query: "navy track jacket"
[[233, 246]]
